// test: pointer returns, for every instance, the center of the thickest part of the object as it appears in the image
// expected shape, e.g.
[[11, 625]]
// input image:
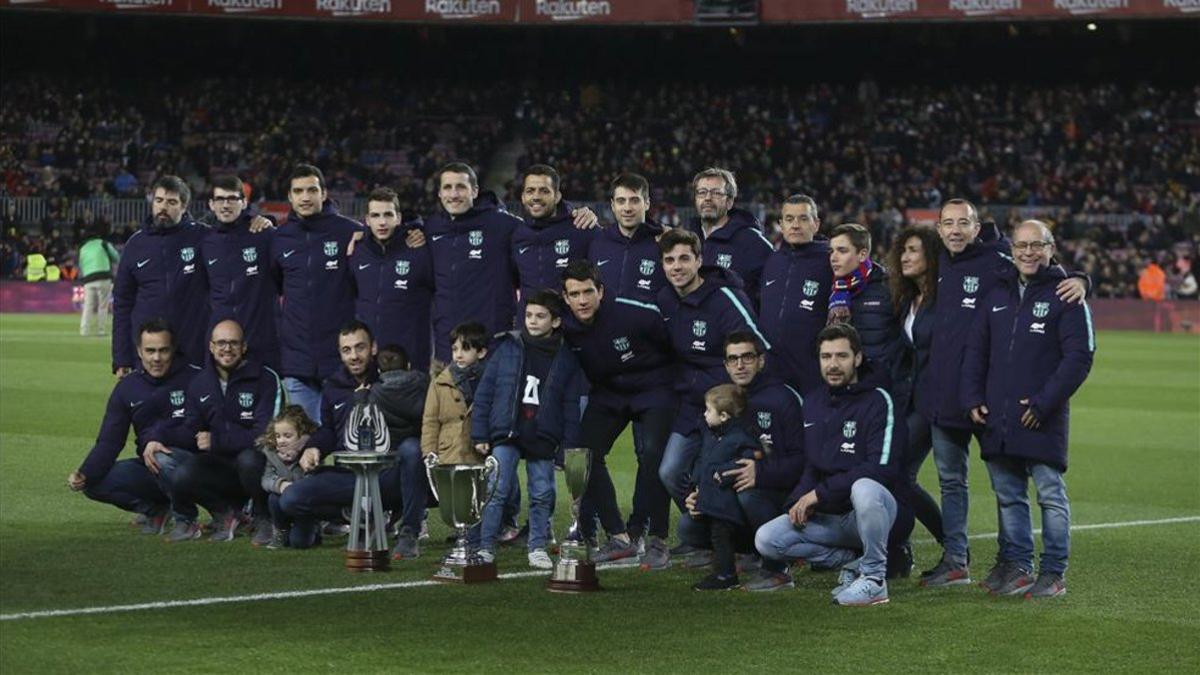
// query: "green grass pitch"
[[1131, 607]]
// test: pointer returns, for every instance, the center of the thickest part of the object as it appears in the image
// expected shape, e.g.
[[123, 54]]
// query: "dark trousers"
[[219, 482], [759, 506], [297, 537], [599, 429], [130, 486]]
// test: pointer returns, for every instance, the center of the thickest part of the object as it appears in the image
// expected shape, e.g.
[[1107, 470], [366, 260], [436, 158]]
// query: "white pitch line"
[[369, 588]]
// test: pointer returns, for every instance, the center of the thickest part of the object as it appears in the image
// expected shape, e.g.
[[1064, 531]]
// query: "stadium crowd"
[[783, 397]]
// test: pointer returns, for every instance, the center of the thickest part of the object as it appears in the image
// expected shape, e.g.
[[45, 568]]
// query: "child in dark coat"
[[713, 497]]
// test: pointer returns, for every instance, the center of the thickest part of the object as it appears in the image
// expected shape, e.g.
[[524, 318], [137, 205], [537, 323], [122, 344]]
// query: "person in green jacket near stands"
[[97, 260]]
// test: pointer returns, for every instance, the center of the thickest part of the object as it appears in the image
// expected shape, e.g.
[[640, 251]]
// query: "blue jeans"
[[1010, 481], [411, 484], [130, 486], [539, 474], [675, 470], [950, 453], [305, 395], [169, 469], [830, 540]]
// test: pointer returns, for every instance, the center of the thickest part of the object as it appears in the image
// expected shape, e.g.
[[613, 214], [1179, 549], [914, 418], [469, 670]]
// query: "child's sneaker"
[[540, 559], [863, 592], [279, 538], [485, 556], [406, 546], [717, 582]]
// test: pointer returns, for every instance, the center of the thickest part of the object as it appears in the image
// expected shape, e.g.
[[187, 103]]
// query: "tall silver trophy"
[[462, 491], [575, 572]]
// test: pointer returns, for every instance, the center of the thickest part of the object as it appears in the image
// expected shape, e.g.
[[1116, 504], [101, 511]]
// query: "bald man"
[[213, 450], [1028, 354]]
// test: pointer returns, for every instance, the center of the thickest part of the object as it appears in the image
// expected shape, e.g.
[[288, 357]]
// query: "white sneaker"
[[540, 559]]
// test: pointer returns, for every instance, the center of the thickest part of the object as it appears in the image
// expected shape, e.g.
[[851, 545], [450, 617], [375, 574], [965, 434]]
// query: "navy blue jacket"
[[498, 399], [541, 249], [253, 396], [963, 281], [882, 336], [850, 432], [394, 288], [308, 256], [143, 401], [630, 267], [626, 355], [794, 306], [1034, 347], [720, 449], [474, 279], [241, 286], [697, 325], [337, 401], [738, 245], [161, 275], [775, 411]]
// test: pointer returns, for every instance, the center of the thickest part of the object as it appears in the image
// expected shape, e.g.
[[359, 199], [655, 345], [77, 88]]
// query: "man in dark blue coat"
[[1026, 357], [214, 454], [309, 261], [151, 396], [161, 275], [845, 507], [393, 281], [623, 348], [968, 269], [774, 414], [325, 494], [733, 238], [701, 305], [547, 238], [626, 252], [794, 294], [237, 261]]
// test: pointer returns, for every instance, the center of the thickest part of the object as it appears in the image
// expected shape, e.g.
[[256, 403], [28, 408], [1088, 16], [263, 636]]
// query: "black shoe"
[[899, 561], [717, 582]]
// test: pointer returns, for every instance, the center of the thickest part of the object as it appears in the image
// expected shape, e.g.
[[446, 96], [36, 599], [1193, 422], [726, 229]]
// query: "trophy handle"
[[431, 460]]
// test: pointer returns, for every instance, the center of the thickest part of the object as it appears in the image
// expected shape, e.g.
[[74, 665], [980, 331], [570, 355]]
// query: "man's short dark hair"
[[353, 326], [392, 357], [156, 325], [385, 194], [796, 199], [859, 236], [457, 167], [306, 171], [472, 333], [632, 181], [739, 337], [581, 270], [229, 183], [838, 331], [541, 170], [548, 299], [676, 236], [175, 184]]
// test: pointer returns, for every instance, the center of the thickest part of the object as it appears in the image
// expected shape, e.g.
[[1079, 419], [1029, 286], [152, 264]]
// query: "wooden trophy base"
[[368, 561], [466, 574], [579, 577]]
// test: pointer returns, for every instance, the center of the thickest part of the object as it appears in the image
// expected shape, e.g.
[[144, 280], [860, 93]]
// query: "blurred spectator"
[[1152, 282]]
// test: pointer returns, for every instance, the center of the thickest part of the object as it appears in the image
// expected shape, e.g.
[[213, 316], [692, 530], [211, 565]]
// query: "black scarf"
[[466, 379]]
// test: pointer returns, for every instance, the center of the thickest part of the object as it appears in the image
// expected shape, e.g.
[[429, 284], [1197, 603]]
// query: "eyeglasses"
[[1035, 246], [710, 192], [747, 358], [231, 199], [227, 344]]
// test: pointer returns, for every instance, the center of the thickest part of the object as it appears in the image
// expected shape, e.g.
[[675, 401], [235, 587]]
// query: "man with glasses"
[[775, 413], [213, 455], [623, 348], [161, 275], [236, 257], [733, 237], [1026, 357]]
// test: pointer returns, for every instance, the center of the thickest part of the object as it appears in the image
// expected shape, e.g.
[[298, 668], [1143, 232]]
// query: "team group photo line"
[[781, 396]]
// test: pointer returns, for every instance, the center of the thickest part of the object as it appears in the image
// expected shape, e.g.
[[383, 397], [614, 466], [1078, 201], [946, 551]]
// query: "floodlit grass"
[[1135, 456]]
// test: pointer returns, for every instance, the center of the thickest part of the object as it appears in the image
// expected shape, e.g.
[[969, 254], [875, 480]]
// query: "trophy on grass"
[[367, 453], [575, 572], [462, 491]]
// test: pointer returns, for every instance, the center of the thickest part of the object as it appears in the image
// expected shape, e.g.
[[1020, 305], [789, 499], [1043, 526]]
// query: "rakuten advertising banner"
[[606, 11], [804, 11]]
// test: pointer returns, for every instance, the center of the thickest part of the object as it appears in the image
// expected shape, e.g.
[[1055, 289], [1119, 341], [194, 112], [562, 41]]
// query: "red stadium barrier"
[[558, 12]]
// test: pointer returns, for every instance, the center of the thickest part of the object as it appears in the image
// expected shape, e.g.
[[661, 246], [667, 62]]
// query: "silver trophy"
[[462, 491], [367, 454], [575, 572]]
